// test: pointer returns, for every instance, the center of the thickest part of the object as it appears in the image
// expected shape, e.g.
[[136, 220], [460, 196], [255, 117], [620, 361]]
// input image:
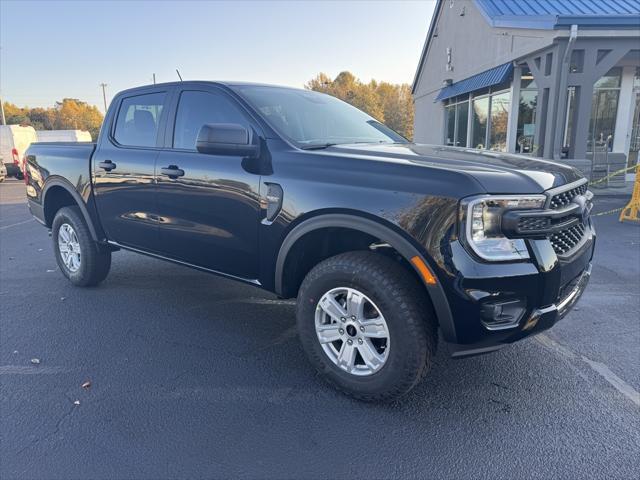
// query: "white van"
[[14, 141], [63, 136]]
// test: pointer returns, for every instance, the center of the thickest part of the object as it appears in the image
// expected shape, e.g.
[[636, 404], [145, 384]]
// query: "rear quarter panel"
[[61, 164]]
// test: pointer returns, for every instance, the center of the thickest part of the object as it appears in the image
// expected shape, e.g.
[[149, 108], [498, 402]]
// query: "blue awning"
[[482, 80]]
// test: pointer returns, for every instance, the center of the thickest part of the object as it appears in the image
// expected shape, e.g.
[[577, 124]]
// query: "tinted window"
[[138, 119], [199, 108]]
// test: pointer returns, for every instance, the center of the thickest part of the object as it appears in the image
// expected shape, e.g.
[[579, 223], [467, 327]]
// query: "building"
[[557, 79]]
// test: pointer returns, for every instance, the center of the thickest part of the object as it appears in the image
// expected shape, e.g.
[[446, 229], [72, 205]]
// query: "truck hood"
[[495, 172]]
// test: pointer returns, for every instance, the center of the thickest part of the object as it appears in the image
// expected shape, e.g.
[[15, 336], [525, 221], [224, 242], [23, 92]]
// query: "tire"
[[399, 300], [92, 264]]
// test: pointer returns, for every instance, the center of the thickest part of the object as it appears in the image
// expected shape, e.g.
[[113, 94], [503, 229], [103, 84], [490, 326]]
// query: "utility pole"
[[4, 120], [104, 96], [154, 78]]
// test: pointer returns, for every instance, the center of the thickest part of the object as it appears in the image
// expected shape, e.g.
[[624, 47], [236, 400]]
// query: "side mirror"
[[226, 139]]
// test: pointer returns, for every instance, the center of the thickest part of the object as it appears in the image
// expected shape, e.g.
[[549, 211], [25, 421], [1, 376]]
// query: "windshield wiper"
[[318, 146]]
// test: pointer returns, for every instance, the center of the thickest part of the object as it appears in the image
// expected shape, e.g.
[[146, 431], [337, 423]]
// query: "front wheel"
[[366, 326], [79, 257]]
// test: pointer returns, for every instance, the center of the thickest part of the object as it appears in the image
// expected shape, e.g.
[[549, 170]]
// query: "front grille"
[[564, 241], [531, 224], [563, 199]]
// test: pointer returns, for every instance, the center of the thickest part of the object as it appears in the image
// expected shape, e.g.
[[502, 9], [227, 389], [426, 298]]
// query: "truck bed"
[[68, 162]]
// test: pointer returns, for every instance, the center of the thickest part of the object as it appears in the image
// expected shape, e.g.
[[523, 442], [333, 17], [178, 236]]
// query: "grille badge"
[[585, 207]]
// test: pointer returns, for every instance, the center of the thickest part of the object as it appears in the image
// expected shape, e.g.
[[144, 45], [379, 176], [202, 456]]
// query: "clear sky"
[[51, 50]]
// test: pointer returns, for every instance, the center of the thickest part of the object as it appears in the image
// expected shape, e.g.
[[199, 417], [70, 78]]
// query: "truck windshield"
[[314, 120]]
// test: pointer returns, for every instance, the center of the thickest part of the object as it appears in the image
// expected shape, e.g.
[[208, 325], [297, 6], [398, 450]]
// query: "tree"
[[43, 117], [69, 114], [388, 103], [15, 115]]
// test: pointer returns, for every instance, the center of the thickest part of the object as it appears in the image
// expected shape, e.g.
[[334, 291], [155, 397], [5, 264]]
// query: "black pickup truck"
[[390, 247]]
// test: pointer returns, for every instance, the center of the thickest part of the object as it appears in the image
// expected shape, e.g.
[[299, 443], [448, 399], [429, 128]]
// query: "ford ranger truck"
[[389, 247]]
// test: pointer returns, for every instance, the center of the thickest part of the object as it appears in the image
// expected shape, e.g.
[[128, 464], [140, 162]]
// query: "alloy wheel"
[[352, 331], [69, 247]]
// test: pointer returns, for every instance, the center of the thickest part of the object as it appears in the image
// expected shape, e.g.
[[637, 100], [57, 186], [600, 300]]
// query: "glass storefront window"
[[479, 122], [526, 80], [634, 144], [490, 118], [611, 79], [603, 119], [456, 117], [499, 121], [462, 113], [604, 109], [568, 128], [527, 103], [450, 123], [526, 121]]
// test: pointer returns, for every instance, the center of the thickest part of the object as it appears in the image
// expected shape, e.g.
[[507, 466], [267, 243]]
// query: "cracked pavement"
[[195, 376]]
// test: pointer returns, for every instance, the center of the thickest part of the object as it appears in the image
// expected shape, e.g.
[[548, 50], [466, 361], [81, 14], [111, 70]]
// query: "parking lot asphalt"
[[193, 376]]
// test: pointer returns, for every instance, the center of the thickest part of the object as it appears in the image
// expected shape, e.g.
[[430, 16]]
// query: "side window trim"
[[214, 90], [162, 123]]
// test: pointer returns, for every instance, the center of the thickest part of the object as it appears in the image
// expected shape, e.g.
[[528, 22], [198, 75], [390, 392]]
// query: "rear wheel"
[[365, 325], [79, 258]]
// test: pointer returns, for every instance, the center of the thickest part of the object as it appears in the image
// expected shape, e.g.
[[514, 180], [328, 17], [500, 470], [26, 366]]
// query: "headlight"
[[482, 218]]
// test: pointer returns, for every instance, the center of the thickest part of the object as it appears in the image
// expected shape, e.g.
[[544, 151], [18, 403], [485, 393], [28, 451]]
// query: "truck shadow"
[[198, 319]]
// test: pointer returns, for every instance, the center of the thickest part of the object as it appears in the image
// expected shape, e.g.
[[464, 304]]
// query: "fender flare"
[[385, 234], [66, 185]]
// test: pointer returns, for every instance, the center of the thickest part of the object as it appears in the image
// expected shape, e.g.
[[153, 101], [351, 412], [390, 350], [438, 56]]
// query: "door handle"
[[172, 171], [107, 165]]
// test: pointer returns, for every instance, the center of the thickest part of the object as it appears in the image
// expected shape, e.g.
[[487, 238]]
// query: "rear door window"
[[197, 108], [138, 120]]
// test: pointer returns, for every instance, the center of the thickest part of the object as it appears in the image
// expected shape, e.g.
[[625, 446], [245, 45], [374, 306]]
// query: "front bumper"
[[546, 289], [566, 303]]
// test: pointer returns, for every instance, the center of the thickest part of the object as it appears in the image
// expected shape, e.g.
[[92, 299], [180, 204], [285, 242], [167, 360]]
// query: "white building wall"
[[429, 120], [475, 46]]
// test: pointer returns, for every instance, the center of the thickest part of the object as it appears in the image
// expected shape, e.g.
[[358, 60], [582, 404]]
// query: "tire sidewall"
[[404, 351], [68, 216]]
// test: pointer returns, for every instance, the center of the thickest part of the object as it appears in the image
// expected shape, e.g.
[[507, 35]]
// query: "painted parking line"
[[29, 370], [605, 372], [16, 224]]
